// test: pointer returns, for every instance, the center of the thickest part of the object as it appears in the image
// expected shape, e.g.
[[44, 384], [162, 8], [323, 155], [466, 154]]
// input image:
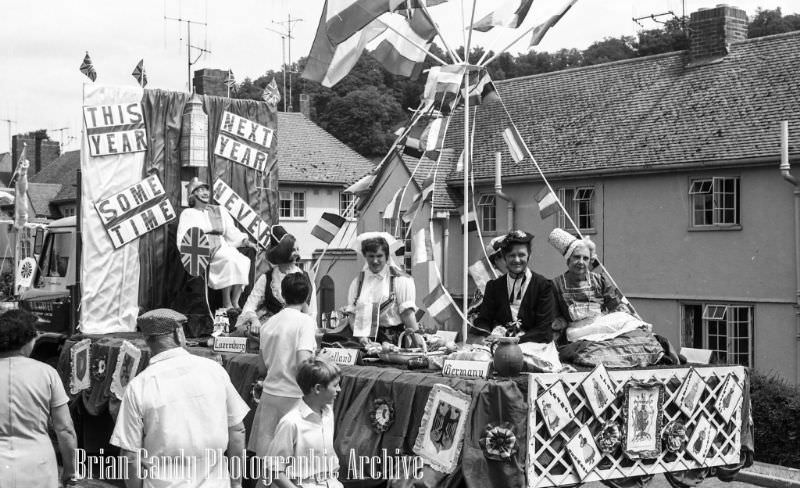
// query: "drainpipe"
[[787, 175], [498, 188], [445, 249]]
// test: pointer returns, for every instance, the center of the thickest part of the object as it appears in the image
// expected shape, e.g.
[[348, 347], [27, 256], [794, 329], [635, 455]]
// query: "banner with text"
[[113, 129], [135, 210], [242, 213], [110, 276], [243, 141]]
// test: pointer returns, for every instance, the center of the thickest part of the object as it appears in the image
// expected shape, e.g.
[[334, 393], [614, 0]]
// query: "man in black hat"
[[520, 301], [265, 299], [179, 415]]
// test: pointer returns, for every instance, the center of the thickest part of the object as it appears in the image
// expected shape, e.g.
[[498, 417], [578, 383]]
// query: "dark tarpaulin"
[[162, 276]]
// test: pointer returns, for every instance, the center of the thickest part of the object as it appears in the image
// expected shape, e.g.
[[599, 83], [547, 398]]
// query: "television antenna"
[[286, 35], [189, 47], [61, 135]]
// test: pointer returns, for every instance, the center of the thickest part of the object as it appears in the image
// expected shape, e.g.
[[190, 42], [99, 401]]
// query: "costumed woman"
[[228, 269], [381, 300], [265, 299], [589, 306], [520, 302]]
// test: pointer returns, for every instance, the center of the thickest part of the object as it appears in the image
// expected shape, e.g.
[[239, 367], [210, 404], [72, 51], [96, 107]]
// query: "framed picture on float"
[[443, 426], [690, 392], [555, 408], [599, 389], [642, 409]]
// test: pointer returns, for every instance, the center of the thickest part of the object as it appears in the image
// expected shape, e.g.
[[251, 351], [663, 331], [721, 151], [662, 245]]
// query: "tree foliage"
[[367, 106]]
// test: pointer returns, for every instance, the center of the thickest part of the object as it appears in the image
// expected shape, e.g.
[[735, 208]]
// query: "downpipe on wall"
[[787, 175]]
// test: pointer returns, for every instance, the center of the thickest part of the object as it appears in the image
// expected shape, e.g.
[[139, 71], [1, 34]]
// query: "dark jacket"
[[536, 311]]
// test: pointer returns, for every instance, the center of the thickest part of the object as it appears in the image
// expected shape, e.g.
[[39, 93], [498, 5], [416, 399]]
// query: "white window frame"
[[572, 198], [712, 192], [487, 206], [346, 201], [725, 318], [297, 204]]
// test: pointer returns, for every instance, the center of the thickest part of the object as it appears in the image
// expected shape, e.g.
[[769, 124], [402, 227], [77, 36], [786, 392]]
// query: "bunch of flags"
[[139, 73], [510, 13]]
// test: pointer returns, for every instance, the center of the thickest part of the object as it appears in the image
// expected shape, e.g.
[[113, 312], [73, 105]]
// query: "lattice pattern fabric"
[[549, 463]]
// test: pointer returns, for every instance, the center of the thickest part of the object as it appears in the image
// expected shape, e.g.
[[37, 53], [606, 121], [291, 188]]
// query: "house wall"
[[339, 266], [644, 239], [319, 199]]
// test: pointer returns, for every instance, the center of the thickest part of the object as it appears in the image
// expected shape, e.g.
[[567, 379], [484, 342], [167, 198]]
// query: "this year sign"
[[134, 211], [115, 129]]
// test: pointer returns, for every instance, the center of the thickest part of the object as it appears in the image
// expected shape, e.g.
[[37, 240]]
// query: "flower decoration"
[[255, 391], [498, 442], [381, 415], [674, 436], [609, 437]]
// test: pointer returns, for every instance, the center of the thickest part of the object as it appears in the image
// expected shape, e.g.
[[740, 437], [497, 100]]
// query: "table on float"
[[532, 459]]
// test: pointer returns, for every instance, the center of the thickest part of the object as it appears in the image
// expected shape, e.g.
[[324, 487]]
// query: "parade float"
[[465, 410]]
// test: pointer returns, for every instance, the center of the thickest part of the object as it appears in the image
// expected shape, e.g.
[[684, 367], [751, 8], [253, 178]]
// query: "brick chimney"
[[210, 82], [305, 105], [712, 31]]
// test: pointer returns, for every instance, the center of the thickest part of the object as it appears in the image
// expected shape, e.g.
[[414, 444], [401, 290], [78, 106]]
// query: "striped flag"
[[420, 199], [547, 201], [329, 60], [392, 210], [139, 73], [440, 305], [472, 221], [328, 226], [396, 52], [271, 95], [481, 273], [87, 67], [361, 185], [421, 247], [442, 87], [480, 87], [514, 144], [343, 19], [510, 14], [540, 30]]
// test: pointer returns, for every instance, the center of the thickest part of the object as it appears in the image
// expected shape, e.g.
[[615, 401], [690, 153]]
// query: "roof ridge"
[[593, 66], [768, 38]]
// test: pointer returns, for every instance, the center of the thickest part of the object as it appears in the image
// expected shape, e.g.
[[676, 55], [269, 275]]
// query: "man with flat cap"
[[182, 409], [228, 270], [520, 301]]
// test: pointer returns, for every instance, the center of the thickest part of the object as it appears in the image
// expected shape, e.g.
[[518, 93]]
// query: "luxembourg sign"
[[134, 211], [243, 141], [115, 129]]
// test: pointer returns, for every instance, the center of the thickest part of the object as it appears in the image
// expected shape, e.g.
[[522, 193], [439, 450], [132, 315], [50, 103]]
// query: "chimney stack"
[[210, 82], [712, 31], [305, 105]]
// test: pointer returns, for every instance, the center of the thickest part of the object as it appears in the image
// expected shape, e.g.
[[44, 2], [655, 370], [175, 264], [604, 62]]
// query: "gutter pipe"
[[787, 175]]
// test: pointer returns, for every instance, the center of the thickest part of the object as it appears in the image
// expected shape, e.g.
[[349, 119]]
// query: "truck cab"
[[50, 295]]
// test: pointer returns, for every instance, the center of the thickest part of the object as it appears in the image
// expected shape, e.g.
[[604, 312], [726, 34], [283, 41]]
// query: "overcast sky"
[[42, 43]]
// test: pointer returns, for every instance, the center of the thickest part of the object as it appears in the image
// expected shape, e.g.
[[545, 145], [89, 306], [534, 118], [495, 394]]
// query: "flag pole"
[[467, 165], [452, 53], [416, 44]]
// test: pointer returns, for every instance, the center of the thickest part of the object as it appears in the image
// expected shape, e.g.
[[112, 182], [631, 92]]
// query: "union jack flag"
[[87, 67], [195, 251], [271, 94], [140, 74], [230, 81]]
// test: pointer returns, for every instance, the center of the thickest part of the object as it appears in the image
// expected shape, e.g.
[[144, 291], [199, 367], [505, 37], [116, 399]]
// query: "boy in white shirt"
[[304, 438]]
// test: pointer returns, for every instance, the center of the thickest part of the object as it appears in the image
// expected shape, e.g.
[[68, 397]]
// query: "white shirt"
[[285, 333], [375, 289], [304, 434], [180, 405], [260, 288], [518, 287]]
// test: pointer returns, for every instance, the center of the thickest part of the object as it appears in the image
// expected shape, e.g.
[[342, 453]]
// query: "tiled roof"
[[309, 154], [62, 171], [645, 113], [41, 194]]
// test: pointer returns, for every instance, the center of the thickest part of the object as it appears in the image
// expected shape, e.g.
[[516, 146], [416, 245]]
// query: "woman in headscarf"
[[589, 306], [382, 297], [31, 395]]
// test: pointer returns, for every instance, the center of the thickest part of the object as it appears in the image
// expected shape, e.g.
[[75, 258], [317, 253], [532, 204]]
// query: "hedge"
[[776, 418]]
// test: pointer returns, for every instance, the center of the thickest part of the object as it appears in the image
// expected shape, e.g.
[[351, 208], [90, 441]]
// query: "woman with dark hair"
[[31, 394]]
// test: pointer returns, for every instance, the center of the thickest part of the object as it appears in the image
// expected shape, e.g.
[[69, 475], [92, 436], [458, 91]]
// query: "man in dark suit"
[[520, 298]]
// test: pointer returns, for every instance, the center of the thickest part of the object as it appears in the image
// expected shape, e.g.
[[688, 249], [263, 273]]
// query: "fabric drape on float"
[[162, 273], [107, 275]]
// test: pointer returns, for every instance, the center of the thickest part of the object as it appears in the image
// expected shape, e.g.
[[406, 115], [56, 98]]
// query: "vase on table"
[[508, 359]]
